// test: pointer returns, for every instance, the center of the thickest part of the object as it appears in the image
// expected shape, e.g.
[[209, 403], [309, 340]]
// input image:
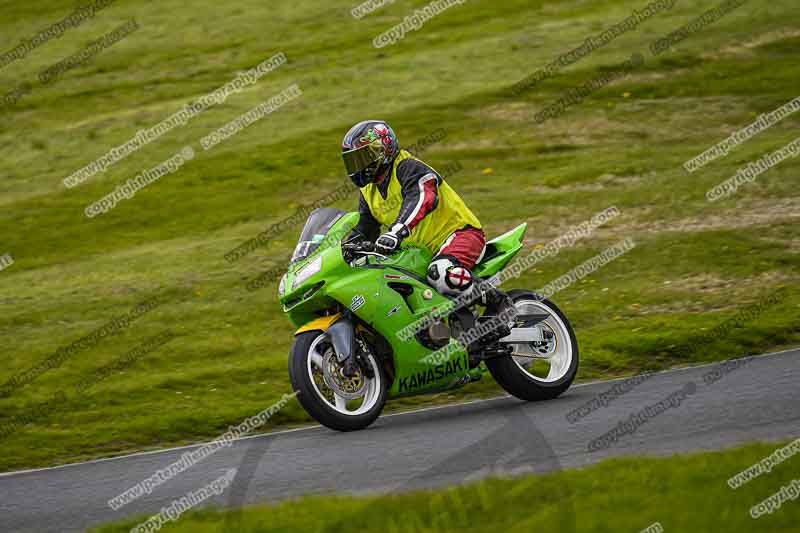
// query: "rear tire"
[[520, 383], [310, 395]]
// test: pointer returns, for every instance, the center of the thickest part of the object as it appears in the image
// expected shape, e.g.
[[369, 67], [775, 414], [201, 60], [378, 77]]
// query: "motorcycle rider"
[[419, 207]]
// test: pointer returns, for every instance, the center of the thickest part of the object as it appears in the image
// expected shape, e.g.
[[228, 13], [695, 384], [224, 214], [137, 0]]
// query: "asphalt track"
[[758, 400]]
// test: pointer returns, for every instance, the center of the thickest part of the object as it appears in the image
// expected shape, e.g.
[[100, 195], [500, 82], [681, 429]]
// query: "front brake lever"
[[375, 254]]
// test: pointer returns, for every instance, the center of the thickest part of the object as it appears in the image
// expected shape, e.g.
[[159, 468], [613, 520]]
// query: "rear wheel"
[[334, 400], [544, 369]]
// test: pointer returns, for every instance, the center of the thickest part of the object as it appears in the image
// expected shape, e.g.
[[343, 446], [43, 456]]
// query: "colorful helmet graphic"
[[368, 149]]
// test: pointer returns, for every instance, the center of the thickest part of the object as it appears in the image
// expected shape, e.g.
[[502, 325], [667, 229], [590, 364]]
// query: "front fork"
[[343, 338]]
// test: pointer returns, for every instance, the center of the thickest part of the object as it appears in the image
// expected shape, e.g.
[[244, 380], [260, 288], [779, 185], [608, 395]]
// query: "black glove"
[[389, 242]]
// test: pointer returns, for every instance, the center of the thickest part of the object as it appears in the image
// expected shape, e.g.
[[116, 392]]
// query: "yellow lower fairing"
[[322, 323]]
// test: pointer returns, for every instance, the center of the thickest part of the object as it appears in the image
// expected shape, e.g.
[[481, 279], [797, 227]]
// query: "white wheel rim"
[[560, 359], [338, 403]]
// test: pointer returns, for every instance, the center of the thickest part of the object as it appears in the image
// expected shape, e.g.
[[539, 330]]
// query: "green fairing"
[[500, 252], [383, 309]]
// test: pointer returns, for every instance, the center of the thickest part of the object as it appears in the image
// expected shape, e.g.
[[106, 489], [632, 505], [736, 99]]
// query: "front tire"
[[310, 353], [518, 376]]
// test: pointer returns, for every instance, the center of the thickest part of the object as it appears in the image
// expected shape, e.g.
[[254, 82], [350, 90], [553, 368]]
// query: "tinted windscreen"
[[317, 226]]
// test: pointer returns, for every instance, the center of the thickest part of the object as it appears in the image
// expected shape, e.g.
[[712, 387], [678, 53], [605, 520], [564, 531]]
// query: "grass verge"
[[681, 493]]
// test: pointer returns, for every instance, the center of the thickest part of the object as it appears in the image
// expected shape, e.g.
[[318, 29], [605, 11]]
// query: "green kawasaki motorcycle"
[[369, 328]]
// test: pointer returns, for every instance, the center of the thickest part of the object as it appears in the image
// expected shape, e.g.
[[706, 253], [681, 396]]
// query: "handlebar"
[[359, 247], [362, 248]]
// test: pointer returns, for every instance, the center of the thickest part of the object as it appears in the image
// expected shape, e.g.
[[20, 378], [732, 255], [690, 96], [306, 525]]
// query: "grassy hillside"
[[696, 264], [681, 493]]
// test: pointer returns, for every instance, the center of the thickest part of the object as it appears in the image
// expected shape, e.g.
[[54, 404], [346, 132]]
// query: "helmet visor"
[[360, 158]]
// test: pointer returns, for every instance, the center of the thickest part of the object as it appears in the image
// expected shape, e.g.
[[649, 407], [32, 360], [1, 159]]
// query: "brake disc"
[[341, 385]]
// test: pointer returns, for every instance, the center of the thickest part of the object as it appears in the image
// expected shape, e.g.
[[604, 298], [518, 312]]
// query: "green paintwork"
[[365, 290], [505, 247]]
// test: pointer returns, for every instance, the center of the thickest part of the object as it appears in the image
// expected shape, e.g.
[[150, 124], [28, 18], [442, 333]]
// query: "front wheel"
[[543, 369], [334, 400]]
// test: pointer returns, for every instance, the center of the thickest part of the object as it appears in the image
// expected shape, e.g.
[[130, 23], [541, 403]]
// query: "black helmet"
[[368, 149]]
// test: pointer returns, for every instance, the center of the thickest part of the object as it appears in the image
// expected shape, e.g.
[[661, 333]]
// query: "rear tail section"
[[500, 251]]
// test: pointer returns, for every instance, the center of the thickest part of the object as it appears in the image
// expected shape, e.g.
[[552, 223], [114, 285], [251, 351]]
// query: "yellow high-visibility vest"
[[450, 215]]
